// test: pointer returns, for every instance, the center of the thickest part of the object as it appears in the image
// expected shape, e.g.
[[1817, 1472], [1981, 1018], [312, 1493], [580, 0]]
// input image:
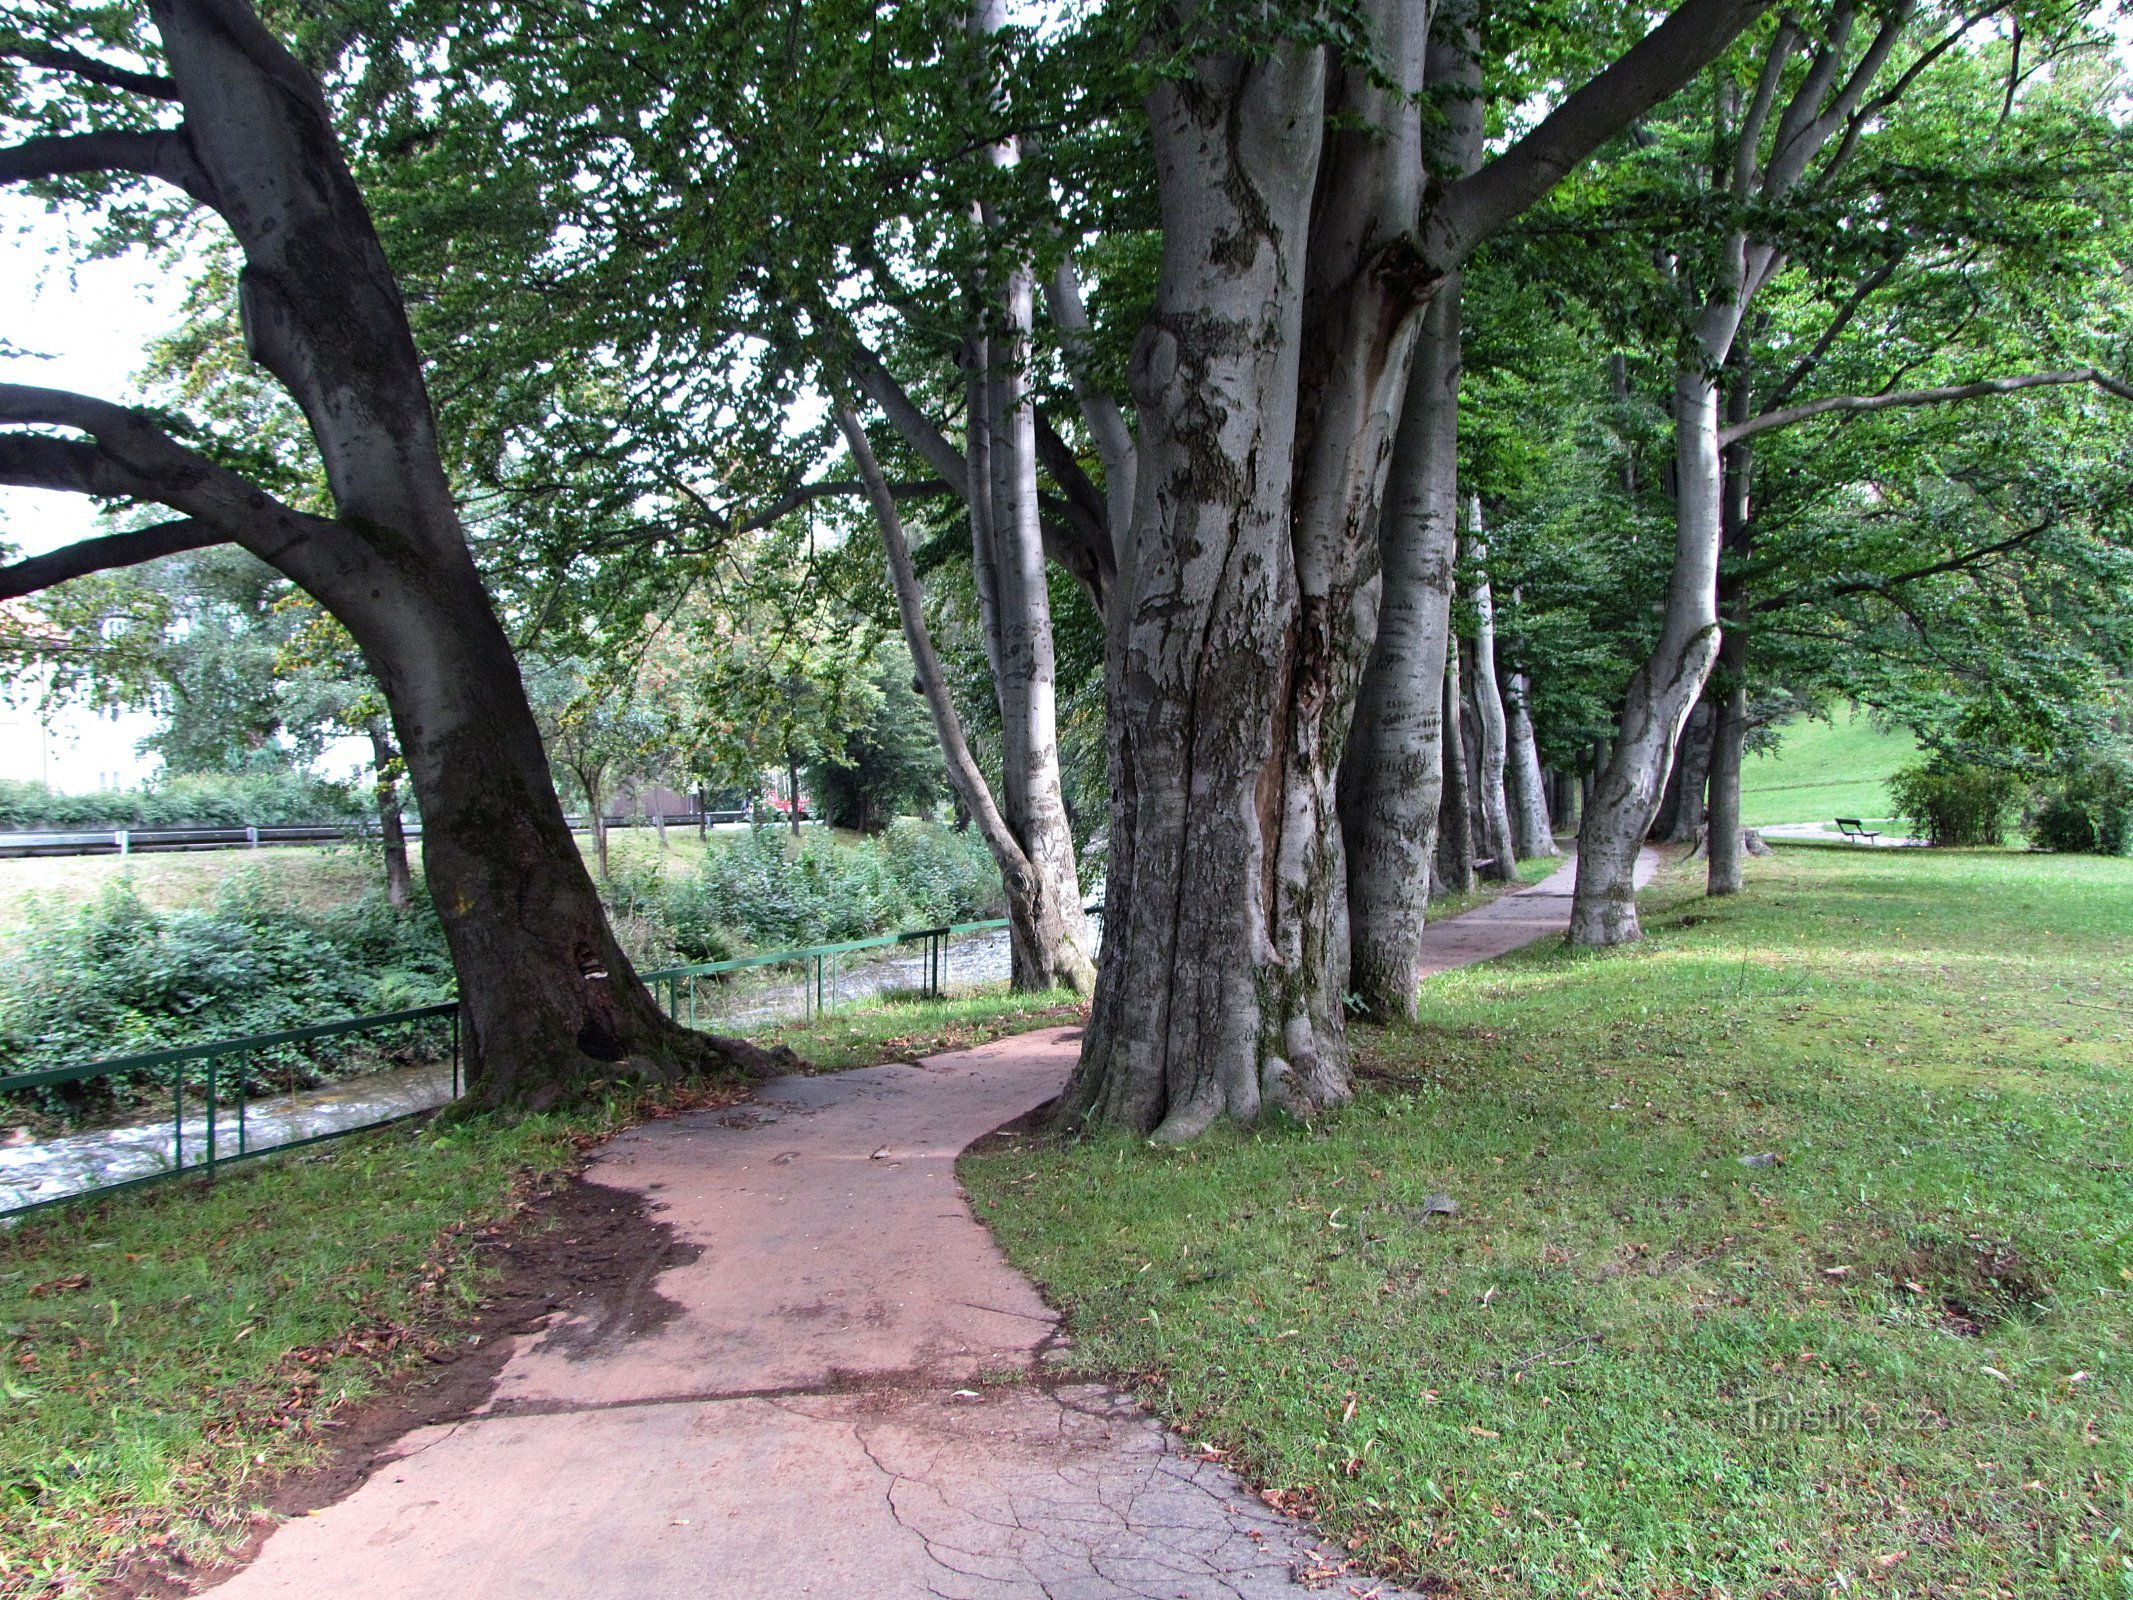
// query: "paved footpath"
[[846, 1392]]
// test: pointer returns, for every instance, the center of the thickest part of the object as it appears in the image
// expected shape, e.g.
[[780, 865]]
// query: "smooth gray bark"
[[1015, 604], [1728, 742], [1033, 915], [1526, 785], [1680, 819], [1392, 774], [1492, 736], [1453, 863], [1666, 685]]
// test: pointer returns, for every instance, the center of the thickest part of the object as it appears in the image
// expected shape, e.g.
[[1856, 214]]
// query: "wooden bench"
[[1856, 831]]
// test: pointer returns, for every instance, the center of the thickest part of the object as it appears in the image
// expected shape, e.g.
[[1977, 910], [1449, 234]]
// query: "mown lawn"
[[1824, 770], [1894, 1359], [166, 1353]]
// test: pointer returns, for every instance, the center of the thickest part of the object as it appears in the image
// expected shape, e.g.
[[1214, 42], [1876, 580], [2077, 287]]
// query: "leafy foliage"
[[193, 799], [1954, 802], [112, 977], [776, 893]]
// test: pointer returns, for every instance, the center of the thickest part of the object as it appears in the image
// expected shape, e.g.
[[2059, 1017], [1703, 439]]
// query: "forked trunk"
[[1200, 1011], [1664, 688]]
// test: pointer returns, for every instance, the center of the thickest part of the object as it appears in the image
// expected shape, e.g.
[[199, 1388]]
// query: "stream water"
[[33, 1170]]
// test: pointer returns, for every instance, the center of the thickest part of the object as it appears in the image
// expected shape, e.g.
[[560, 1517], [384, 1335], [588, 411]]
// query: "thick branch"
[[164, 155], [57, 58], [127, 454], [101, 555], [1853, 403], [918, 429], [1099, 407], [1476, 207], [1837, 324]]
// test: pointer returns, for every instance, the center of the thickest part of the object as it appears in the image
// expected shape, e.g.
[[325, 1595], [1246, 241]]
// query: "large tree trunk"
[[1197, 998], [1664, 688], [1491, 733], [1392, 774], [1532, 833], [1268, 381], [547, 996], [392, 831]]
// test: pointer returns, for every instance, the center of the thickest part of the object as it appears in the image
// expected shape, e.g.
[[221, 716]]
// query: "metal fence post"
[[212, 1062], [455, 1053], [251, 837], [125, 841]]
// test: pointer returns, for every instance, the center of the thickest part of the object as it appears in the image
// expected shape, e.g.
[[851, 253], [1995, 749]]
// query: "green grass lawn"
[[1824, 770], [1895, 1359], [164, 1354]]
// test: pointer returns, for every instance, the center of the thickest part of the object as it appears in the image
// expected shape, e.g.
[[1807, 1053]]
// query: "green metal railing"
[[200, 1070], [219, 1073], [816, 963]]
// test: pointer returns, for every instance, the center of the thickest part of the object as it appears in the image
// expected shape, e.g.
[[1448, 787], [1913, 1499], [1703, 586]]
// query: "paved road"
[[846, 1392]]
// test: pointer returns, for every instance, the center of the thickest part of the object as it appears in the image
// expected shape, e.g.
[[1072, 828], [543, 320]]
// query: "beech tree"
[[1298, 258], [219, 111]]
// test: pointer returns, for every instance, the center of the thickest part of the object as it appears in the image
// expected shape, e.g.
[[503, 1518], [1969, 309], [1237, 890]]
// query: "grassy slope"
[[1549, 1394], [214, 1329], [1824, 770]]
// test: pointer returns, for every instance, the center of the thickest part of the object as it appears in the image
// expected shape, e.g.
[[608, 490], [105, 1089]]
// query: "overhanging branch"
[[58, 58], [1476, 207], [1785, 416], [163, 154], [103, 554]]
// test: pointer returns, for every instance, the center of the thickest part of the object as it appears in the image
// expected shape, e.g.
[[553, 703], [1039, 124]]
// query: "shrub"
[[778, 894], [2088, 811], [1955, 803], [947, 876], [111, 977]]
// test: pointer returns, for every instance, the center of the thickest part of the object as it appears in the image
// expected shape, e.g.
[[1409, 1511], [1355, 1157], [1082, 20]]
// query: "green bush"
[[778, 894], [111, 977], [1955, 803], [2089, 811], [945, 875], [197, 799]]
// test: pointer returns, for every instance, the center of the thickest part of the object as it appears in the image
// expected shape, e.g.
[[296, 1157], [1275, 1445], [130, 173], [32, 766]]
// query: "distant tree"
[[890, 764]]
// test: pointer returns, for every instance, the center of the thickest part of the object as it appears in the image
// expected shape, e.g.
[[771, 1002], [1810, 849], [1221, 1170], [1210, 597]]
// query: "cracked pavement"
[[835, 1385]]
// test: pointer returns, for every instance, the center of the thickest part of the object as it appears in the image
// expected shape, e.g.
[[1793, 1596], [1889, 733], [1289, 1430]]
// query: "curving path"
[[836, 1386]]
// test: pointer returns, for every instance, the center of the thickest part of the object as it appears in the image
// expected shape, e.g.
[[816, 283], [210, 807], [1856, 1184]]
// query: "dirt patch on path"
[[584, 1252]]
